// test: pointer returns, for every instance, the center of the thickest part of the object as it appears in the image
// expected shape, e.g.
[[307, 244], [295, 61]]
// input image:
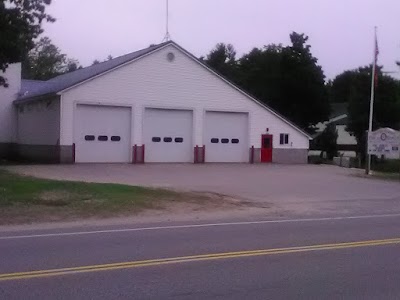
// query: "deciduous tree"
[[288, 79], [222, 59], [20, 24], [327, 141], [354, 87], [46, 61]]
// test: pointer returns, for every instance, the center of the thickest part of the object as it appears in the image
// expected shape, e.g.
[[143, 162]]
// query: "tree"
[[46, 61], [289, 80], [353, 87], [262, 75], [20, 24], [72, 65], [222, 59], [305, 95], [327, 141], [96, 61]]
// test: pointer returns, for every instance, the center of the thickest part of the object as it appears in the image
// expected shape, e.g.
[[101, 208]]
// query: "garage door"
[[102, 134], [168, 135], [226, 137]]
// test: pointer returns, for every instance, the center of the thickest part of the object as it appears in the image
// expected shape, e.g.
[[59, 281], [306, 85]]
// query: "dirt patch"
[[27, 200], [53, 207]]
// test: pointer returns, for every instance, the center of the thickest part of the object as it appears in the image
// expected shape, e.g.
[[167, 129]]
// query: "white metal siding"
[[174, 130], [153, 81], [94, 123], [39, 122], [226, 137]]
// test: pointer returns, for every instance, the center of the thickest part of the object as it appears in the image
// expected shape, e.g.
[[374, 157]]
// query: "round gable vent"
[[170, 56]]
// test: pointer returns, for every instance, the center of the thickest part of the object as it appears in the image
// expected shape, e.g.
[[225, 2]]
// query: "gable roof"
[[68, 80]]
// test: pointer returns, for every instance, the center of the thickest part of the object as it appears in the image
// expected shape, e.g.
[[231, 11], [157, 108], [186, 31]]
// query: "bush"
[[386, 166], [327, 141], [318, 160]]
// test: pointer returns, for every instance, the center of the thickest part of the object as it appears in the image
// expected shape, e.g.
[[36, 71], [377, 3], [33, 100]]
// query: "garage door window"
[[214, 141], [178, 140], [156, 139], [235, 141], [102, 138], [224, 141], [89, 137], [167, 140], [115, 138]]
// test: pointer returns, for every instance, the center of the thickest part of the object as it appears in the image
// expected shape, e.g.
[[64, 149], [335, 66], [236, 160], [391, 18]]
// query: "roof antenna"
[[167, 36]]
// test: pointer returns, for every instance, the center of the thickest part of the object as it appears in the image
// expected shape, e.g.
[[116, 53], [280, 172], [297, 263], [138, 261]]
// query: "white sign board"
[[384, 141]]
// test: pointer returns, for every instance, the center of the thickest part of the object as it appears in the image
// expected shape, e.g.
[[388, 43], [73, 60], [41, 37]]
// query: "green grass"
[[386, 176], [386, 166], [28, 199]]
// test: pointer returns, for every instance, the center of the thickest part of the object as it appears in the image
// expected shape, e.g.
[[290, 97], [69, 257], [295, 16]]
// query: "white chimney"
[[8, 114]]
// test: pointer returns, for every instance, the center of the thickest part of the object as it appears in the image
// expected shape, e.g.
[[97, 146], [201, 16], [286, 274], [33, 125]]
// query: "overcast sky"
[[340, 31]]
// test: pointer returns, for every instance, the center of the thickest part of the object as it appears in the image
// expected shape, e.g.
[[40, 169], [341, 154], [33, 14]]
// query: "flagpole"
[[371, 103]]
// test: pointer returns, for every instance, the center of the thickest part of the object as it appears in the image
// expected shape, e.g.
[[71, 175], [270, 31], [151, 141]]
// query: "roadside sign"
[[384, 141]]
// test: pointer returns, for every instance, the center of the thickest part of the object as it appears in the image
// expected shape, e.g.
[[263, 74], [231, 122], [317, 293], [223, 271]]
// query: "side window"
[[224, 141], [178, 140], [115, 138], [284, 139], [214, 141], [167, 140], [235, 141], [156, 139], [89, 138], [102, 138]]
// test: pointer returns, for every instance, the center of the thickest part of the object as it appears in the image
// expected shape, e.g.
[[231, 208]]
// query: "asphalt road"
[[345, 258]]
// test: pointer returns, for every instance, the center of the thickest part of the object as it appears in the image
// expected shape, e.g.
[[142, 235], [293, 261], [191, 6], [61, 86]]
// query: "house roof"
[[338, 109], [33, 89], [340, 120], [339, 115]]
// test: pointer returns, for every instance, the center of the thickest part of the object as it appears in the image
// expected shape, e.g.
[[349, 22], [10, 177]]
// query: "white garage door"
[[102, 134], [168, 135], [226, 137]]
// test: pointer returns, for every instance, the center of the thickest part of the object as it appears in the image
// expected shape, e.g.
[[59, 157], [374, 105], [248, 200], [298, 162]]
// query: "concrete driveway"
[[304, 189]]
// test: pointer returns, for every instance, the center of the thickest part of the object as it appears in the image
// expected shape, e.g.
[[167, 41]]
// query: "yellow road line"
[[193, 258]]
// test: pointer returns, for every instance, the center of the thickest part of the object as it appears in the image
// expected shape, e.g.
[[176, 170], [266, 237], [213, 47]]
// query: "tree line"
[[286, 78], [289, 80]]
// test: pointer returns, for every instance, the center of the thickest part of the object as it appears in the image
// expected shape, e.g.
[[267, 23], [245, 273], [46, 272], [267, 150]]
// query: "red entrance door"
[[266, 148]]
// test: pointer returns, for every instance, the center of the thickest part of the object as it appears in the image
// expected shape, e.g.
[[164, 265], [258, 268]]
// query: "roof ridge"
[[155, 46]]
